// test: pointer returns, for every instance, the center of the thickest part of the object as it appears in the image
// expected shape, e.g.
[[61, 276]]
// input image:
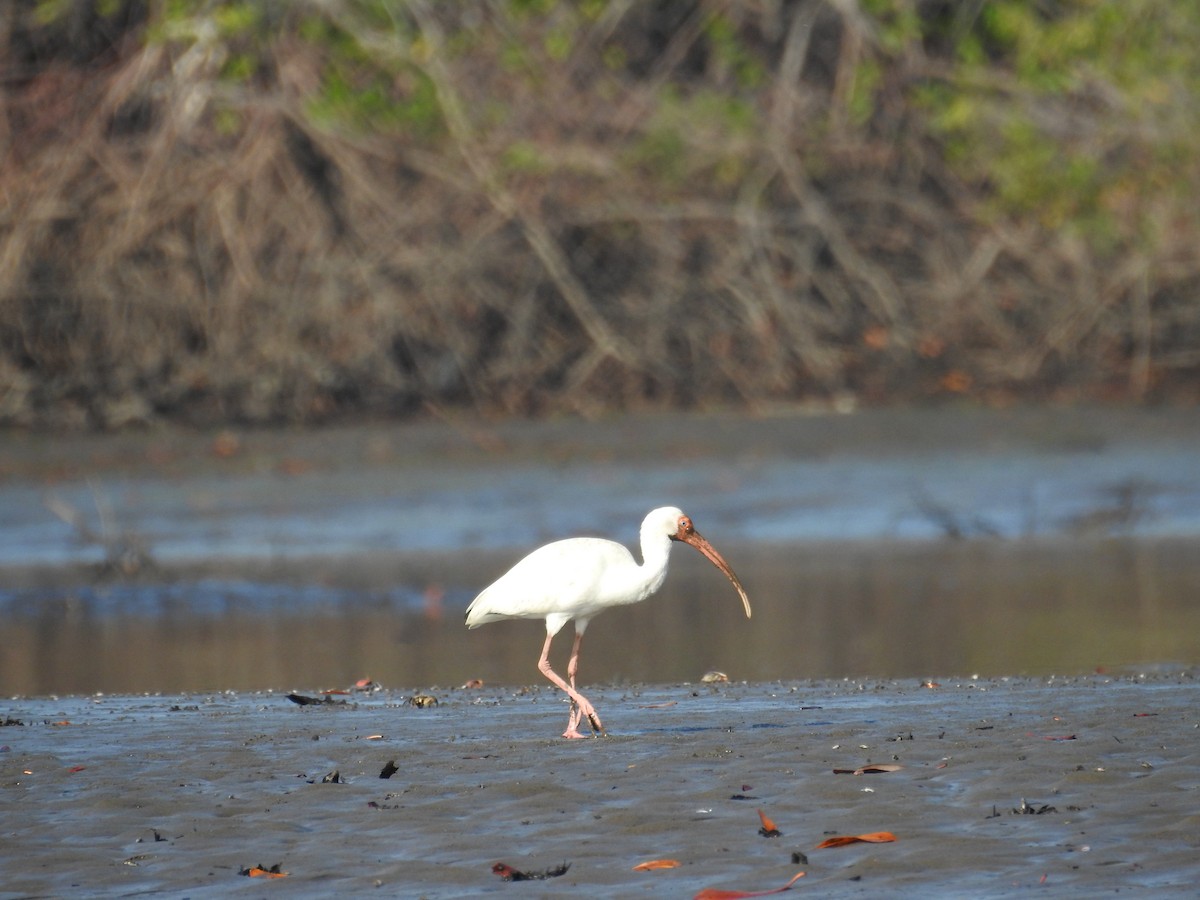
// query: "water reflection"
[[886, 610]]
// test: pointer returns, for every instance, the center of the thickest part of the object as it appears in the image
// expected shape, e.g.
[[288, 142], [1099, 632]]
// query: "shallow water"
[[987, 607], [1076, 787]]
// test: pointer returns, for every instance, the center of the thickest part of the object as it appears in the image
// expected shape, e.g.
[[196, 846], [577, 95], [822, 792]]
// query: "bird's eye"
[[685, 524]]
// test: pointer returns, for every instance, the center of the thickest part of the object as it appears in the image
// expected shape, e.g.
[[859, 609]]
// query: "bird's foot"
[[574, 719], [577, 716]]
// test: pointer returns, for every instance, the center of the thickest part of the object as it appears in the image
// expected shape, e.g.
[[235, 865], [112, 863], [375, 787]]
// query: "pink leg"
[[572, 671], [584, 707]]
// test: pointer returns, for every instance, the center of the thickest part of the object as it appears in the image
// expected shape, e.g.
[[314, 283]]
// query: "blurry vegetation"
[[290, 211]]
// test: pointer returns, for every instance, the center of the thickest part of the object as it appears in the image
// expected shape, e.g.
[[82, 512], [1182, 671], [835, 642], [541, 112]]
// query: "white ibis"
[[581, 577]]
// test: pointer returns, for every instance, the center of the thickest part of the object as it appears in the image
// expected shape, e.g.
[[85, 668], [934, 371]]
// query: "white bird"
[[581, 577]]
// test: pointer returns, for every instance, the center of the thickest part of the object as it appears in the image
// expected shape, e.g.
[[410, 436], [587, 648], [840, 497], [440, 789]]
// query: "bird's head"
[[683, 527], [679, 527]]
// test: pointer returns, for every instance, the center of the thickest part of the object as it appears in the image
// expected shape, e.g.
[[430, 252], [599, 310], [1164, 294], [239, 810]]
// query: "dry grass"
[[177, 246]]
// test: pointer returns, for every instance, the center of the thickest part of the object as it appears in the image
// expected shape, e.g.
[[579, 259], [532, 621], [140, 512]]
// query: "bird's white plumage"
[[578, 577]]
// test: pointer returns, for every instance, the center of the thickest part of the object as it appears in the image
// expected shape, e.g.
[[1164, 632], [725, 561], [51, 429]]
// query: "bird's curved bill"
[[717, 560]]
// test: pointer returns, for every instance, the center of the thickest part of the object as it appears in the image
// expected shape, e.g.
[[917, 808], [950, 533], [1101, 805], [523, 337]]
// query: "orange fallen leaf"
[[63, 722], [768, 827], [875, 837], [260, 872], [717, 894], [373, 737], [76, 768], [653, 864]]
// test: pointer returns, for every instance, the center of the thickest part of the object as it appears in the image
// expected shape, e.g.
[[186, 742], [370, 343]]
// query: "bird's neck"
[[656, 553]]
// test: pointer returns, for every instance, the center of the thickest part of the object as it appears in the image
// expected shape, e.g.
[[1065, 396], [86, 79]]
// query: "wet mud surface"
[[1008, 787]]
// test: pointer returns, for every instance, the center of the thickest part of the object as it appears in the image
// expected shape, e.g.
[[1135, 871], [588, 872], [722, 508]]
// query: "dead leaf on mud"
[[718, 894], [260, 872], [652, 864], [874, 837], [768, 827], [508, 873], [303, 700], [873, 769], [1028, 809]]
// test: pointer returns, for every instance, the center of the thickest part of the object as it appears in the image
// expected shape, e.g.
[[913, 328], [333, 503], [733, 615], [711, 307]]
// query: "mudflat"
[[1078, 787]]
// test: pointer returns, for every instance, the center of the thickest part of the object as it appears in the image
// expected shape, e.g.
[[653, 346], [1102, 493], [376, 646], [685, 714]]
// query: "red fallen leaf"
[[718, 894], [874, 769], [652, 864], [875, 837], [768, 827], [76, 768], [1140, 715]]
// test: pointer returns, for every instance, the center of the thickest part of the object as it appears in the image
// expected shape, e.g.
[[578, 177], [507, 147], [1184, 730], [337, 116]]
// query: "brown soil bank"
[[294, 212]]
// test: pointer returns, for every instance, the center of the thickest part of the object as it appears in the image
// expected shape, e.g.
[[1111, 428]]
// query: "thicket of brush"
[[269, 212]]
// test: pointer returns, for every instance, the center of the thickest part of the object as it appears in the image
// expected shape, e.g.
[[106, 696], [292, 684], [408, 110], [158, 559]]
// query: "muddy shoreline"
[[1081, 787]]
